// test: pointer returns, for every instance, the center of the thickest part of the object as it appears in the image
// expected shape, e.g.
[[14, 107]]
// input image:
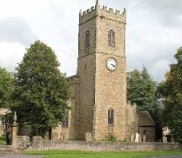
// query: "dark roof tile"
[[144, 119]]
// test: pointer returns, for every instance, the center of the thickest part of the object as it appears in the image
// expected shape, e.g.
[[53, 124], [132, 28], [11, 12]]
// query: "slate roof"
[[144, 119]]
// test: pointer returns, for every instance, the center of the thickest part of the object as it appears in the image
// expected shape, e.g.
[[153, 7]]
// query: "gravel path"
[[18, 156]]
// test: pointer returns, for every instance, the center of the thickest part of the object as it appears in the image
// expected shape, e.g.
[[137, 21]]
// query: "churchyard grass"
[[3, 140], [85, 154]]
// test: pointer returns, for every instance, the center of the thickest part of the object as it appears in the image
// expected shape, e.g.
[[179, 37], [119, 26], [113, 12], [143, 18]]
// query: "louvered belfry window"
[[111, 38], [87, 39]]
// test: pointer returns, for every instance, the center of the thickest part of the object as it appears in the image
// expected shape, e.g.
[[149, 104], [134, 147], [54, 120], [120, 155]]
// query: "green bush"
[[3, 140], [111, 138]]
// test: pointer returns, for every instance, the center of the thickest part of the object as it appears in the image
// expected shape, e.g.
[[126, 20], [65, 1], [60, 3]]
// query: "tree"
[[6, 83], [141, 89], [40, 89], [171, 92]]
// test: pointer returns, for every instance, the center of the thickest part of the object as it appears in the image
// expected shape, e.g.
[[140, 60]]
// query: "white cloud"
[[167, 12], [159, 68], [10, 55], [153, 32], [15, 29]]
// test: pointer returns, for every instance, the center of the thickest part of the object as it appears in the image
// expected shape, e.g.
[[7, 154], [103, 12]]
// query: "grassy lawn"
[[3, 140], [82, 154]]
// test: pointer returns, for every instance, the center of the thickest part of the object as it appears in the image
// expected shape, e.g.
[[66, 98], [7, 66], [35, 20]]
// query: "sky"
[[153, 31]]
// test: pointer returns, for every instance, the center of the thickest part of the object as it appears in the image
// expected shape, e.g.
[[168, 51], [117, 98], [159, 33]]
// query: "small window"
[[110, 116], [65, 121], [87, 39], [111, 38]]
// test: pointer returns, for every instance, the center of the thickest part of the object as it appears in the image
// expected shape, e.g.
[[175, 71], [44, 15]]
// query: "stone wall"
[[3, 112], [150, 133], [23, 142], [40, 144], [131, 121]]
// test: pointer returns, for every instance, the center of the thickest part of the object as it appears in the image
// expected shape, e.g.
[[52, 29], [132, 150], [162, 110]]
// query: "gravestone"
[[132, 137], [144, 138], [136, 137]]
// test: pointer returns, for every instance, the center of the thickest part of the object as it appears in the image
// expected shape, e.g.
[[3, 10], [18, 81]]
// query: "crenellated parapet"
[[102, 12], [73, 80]]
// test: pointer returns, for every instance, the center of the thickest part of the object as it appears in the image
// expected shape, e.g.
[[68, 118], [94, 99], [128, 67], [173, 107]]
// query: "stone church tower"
[[102, 72], [98, 102]]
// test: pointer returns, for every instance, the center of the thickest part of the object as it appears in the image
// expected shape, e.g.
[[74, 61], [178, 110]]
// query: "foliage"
[[171, 92], [111, 138], [2, 140], [85, 154], [141, 89], [40, 89], [6, 82]]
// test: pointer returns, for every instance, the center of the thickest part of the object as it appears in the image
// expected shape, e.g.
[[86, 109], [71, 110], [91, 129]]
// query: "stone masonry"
[[101, 89], [98, 94]]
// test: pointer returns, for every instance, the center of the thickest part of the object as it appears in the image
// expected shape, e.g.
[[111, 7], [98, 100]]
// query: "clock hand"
[[113, 65]]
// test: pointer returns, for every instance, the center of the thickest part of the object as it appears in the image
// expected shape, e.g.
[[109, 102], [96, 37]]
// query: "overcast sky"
[[153, 35]]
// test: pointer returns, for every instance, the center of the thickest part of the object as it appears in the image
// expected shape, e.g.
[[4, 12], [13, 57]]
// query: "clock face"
[[111, 64]]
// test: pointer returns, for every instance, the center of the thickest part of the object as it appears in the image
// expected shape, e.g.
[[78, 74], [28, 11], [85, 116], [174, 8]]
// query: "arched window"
[[87, 39], [110, 116], [111, 38]]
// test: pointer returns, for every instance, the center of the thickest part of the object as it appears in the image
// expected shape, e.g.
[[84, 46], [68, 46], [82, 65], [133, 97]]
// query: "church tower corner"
[[102, 73]]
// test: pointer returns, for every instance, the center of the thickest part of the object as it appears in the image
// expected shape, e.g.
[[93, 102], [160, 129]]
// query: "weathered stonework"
[[95, 89], [101, 89], [3, 112], [40, 144], [131, 122]]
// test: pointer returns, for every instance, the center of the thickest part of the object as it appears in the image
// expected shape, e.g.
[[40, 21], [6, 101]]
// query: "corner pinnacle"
[[97, 3]]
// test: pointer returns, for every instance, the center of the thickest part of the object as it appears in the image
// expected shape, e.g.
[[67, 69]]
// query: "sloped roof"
[[144, 119]]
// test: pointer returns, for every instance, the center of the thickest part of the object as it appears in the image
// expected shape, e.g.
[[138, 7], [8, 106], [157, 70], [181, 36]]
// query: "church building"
[[98, 102]]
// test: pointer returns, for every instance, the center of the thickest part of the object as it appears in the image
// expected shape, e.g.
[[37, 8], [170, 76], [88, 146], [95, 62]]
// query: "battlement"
[[87, 11], [101, 11], [104, 8], [113, 11], [73, 80]]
